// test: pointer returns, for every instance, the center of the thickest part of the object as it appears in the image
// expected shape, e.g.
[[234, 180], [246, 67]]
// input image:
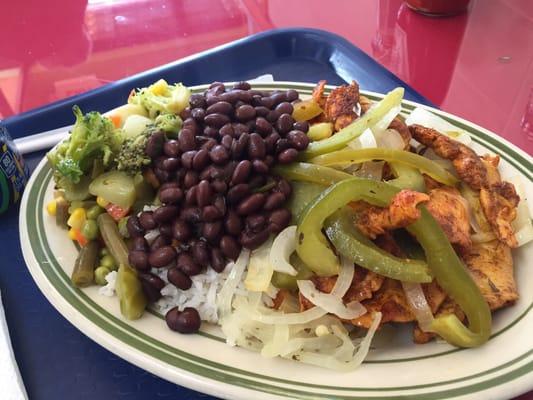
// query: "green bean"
[[99, 275], [83, 272], [62, 212], [122, 227], [112, 239], [130, 293]]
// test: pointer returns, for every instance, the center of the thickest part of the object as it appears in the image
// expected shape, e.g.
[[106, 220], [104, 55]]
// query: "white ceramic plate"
[[502, 368]]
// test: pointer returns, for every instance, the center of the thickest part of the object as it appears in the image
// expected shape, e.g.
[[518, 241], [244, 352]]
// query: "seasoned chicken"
[[498, 199], [340, 104], [318, 94], [491, 267], [373, 221], [447, 206]]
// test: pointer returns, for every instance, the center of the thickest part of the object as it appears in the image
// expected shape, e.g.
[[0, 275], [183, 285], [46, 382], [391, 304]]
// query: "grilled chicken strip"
[[498, 198]]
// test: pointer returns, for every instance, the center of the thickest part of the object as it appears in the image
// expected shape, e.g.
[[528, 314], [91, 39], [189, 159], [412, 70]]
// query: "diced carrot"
[[116, 212], [116, 120], [82, 240]]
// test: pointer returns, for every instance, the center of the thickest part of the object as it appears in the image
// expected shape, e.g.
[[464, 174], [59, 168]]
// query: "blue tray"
[[56, 360]]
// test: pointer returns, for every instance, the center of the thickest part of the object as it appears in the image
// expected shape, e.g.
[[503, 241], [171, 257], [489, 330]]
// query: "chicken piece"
[[491, 266], [447, 206], [447, 307], [340, 104], [364, 283], [466, 162], [373, 221], [318, 94], [498, 200]]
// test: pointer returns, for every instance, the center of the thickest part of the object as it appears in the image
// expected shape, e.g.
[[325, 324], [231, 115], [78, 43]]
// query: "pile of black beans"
[[216, 190]]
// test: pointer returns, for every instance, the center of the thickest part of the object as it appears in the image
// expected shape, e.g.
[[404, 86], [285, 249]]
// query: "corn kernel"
[[72, 234], [159, 88], [77, 218], [52, 208], [101, 202]]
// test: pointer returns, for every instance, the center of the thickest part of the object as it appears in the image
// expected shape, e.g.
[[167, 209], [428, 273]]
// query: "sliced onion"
[[483, 237], [365, 141], [419, 305], [259, 269], [426, 118], [330, 303], [276, 345], [344, 280], [282, 248], [371, 170], [522, 223], [230, 285], [390, 139], [383, 123], [290, 318]]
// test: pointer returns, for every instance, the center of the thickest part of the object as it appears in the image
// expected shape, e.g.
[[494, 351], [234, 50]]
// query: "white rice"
[[109, 289]]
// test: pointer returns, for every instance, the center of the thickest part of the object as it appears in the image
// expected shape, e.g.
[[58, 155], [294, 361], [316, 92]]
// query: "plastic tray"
[[56, 360]]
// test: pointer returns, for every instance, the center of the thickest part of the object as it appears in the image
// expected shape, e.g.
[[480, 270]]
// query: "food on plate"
[[300, 225]]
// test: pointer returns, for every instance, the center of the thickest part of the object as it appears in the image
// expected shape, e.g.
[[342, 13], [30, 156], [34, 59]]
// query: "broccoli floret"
[[93, 136], [168, 123], [131, 157], [162, 98]]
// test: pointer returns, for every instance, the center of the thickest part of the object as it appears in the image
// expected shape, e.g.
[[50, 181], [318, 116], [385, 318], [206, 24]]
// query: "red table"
[[478, 65]]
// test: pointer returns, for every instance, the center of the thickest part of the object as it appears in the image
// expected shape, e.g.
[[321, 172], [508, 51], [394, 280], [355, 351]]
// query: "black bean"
[[219, 186], [279, 97], [227, 141], [187, 157], [134, 226], [252, 240], [192, 215], [239, 129], [301, 126], [154, 144], [211, 98], [237, 193], [284, 108], [185, 113], [200, 253], [170, 195], [152, 285], [287, 156], [186, 321], [161, 174], [227, 130], [158, 242], [210, 132], [239, 146], [279, 220], [162, 256], [273, 201], [139, 243], [212, 231], [168, 185], [217, 88], [271, 140], [256, 181], [190, 179], [147, 221], [267, 102], [298, 140], [269, 160], [282, 144], [244, 95], [181, 230], [218, 263], [230, 97], [187, 140], [171, 148], [261, 111], [256, 146], [197, 100], [220, 203], [260, 166], [170, 164], [199, 160], [241, 172], [242, 86], [233, 223], [284, 187], [251, 125], [216, 120], [165, 213], [190, 124], [190, 196], [284, 123], [256, 101], [203, 193], [251, 204], [219, 154], [179, 279], [139, 260], [211, 213], [255, 222], [245, 113], [262, 126], [187, 264], [198, 114], [291, 95], [166, 229], [230, 247], [221, 107]]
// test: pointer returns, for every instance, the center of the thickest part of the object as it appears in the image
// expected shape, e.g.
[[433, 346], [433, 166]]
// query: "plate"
[[395, 367]]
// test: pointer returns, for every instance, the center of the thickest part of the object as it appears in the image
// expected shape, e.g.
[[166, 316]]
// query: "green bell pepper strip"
[[340, 139], [301, 171], [453, 277], [407, 177], [450, 273], [352, 244], [423, 164]]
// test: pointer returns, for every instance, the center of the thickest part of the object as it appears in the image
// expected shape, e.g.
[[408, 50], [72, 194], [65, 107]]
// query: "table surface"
[[478, 65]]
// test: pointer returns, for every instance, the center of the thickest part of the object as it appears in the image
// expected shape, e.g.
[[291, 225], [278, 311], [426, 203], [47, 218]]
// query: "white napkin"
[[10, 379]]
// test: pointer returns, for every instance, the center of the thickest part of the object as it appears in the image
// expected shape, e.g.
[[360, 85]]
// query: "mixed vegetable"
[[322, 215]]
